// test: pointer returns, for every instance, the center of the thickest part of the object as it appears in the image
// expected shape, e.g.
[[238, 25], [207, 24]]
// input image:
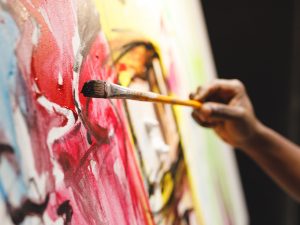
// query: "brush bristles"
[[94, 89]]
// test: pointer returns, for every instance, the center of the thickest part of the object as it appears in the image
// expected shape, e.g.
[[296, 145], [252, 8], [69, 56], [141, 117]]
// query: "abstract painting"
[[67, 159]]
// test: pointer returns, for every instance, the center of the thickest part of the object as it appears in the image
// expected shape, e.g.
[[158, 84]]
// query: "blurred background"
[[258, 42]]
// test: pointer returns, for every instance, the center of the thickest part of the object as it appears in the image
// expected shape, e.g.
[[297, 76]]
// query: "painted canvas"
[[67, 159]]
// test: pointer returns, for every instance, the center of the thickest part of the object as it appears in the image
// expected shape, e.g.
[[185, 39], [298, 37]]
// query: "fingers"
[[216, 97], [195, 95], [202, 121], [219, 89], [212, 114], [221, 111], [222, 88]]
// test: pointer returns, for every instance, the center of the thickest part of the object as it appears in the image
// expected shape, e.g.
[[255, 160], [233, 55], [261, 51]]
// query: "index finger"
[[194, 95], [220, 88]]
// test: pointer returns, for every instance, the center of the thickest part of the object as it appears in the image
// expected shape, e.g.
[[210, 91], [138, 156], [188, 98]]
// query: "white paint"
[[159, 76], [75, 42], [57, 132], [31, 219], [46, 18], [155, 136], [11, 186], [3, 214], [93, 166], [48, 220], [118, 168], [75, 81], [120, 172], [36, 191], [36, 33], [28, 167], [60, 79], [78, 62], [144, 110], [35, 88], [111, 133], [156, 199]]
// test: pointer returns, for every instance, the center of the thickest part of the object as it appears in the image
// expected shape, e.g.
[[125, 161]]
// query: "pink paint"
[[101, 179], [172, 78]]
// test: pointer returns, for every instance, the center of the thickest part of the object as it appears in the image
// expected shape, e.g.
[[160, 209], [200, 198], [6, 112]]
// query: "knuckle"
[[238, 84], [220, 111], [196, 95], [217, 82], [198, 89], [213, 83], [242, 112]]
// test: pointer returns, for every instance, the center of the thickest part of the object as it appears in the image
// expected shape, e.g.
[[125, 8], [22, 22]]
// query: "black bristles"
[[94, 89]]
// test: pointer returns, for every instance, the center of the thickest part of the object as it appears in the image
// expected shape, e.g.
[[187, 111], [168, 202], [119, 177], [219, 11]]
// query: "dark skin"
[[228, 110]]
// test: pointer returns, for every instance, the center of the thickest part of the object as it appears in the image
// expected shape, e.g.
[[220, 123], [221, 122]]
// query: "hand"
[[228, 110]]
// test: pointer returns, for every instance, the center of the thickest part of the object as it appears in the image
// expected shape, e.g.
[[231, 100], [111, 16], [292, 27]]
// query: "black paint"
[[65, 210], [89, 138], [5, 148], [27, 208]]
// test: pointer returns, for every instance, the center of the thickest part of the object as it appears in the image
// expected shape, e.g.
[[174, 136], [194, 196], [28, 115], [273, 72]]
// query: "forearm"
[[278, 157], [228, 110]]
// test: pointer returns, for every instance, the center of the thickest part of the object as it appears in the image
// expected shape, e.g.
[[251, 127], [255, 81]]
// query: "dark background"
[[258, 42]]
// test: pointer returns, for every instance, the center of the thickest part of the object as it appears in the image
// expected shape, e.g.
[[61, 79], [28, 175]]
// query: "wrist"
[[256, 139]]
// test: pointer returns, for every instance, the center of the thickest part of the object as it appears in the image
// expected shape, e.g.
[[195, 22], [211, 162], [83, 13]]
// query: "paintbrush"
[[104, 89]]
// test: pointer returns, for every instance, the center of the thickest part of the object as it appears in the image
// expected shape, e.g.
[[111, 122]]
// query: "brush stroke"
[[81, 158]]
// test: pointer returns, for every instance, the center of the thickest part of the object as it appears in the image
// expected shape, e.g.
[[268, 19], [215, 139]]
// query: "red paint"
[[122, 67], [101, 180]]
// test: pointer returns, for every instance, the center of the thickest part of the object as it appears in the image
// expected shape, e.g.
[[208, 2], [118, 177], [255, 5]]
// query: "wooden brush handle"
[[117, 91], [154, 97], [173, 100]]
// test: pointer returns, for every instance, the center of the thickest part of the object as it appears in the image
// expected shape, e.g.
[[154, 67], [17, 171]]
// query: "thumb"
[[216, 111]]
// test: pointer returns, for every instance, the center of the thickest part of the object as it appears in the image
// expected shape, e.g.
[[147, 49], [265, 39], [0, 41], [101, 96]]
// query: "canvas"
[[67, 159]]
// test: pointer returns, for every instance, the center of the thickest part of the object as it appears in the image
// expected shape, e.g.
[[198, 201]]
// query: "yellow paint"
[[130, 21]]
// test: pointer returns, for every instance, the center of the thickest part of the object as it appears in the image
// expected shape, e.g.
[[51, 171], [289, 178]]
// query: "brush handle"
[[174, 100], [119, 92]]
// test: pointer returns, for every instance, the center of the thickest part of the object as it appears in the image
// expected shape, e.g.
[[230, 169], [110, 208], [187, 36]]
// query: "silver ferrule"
[[117, 91]]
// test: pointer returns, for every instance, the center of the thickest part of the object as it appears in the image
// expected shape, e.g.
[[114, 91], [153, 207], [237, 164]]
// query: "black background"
[[258, 42]]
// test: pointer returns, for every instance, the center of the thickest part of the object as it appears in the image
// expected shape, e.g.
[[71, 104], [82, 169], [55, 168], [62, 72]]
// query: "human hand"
[[227, 109]]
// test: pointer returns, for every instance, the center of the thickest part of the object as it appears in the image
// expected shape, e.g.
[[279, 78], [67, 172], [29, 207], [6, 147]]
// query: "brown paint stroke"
[[88, 24]]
